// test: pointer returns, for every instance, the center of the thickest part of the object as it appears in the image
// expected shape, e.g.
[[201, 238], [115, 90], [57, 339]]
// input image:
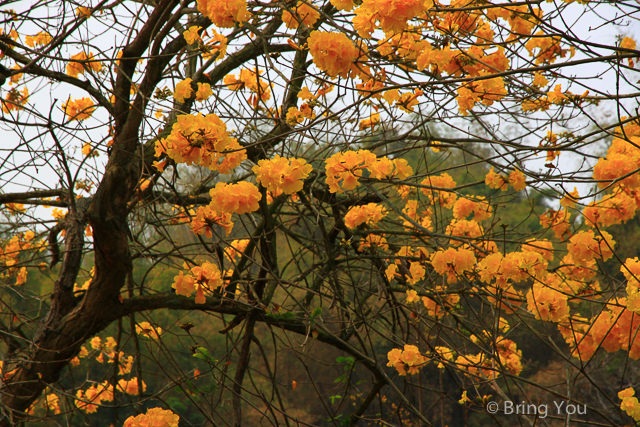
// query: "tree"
[[301, 177]]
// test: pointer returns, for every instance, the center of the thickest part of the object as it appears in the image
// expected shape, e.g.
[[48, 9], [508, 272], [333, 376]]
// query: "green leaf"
[[203, 354], [316, 312]]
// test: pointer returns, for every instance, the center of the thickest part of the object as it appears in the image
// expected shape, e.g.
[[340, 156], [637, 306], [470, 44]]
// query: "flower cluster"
[[611, 209], [484, 366], [206, 276], [131, 386], [437, 195], [545, 50], [74, 68], [15, 100], [514, 267], [16, 77], [217, 44], [407, 45], [422, 218], [333, 53], [204, 141], [303, 13], [478, 206], [155, 417], [392, 15], [78, 109], [558, 221], [183, 90], [250, 80], [42, 38], [224, 13], [509, 355], [191, 35], [629, 403], [370, 214], [239, 198], [516, 179], [586, 246], [83, 12], [282, 174], [438, 304], [10, 252], [373, 241], [629, 43], [622, 160], [631, 271], [486, 91], [206, 217], [295, 116], [386, 168], [453, 262], [89, 400], [371, 122], [416, 273], [613, 329], [147, 329], [52, 402], [543, 247], [236, 248], [547, 303], [407, 361], [404, 101], [465, 229], [345, 169]]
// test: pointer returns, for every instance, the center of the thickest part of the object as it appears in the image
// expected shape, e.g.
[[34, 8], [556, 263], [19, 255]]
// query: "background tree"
[[318, 212]]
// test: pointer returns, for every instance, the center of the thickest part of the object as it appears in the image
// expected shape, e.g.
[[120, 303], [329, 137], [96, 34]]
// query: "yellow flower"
[[282, 174], [307, 14], [306, 94], [75, 68], [371, 122], [78, 109], [41, 38], [15, 100], [83, 12], [204, 91], [569, 199], [294, 116], [333, 53], [159, 165], [370, 214], [153, 417], [145, 328], [224, 13], [57, 214], [517, 180], [131, 387], [343, 4], [556, 96], [540, 80], [191, 35], [239, 198], [345, 169], [212, 148], [183, 90], [217, 44], [412, 296], [96, 343]]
